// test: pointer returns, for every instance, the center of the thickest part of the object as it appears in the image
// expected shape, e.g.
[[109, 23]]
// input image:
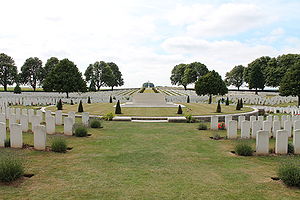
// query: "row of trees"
[[59, 75]]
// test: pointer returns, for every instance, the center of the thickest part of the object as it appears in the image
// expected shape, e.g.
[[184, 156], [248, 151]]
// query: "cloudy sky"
[[146, 38]]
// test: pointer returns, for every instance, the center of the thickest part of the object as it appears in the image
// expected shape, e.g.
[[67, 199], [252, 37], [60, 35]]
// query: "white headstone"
[[276, 127], [283, 119], [262, 143], [288, 127], [2, 118], [24, 122], [16, 136], [227, 119], [240, 119], [267, 126], [281, 145], [86, 117], [71, 114], [255, 128], [58, 117], [40, 137], [36, 120], [2, 133], [296, 124], [296, 141], [47, 113], [245, 129], [68, 125], [232, 129], [18, 113], [252, 119], [270, 118], [50, 124], [213, 122], [30, 114]]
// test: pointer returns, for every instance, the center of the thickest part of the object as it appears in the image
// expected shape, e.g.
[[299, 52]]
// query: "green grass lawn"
[[11, 89], [148, 90], [126, 160], [191, 108]]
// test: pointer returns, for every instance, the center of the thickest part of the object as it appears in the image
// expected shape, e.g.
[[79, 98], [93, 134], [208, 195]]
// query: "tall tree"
[[235, 77], [177, 75], [65, 78], [290, 84], [49, 66], [254, 74], [117, 75], [32, 72], [198, 70], [8, 71], [94, 73], [211, 84]]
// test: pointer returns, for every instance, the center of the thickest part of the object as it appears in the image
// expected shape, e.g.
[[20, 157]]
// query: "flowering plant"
[[221, 126]]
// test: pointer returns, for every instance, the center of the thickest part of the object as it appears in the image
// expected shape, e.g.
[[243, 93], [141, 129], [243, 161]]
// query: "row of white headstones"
[[262, 130], [19, 121]]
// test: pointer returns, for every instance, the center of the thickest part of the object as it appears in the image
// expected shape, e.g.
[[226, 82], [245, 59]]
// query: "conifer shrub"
[[219, 109], [118, 108], [179, 111], [59, 144], [188, 99], [110, 99], [227, 101], [59, 105], [210, 99], [241, 103], [11, 167], [72, 103], [80, 107], [238, 107], [89, 100], [17, 89]]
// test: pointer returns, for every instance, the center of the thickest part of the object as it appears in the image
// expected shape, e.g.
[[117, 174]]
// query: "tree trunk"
[[256, 91], [238, 88], [5, 87], [67, 94], [112, 88], [184, 87]]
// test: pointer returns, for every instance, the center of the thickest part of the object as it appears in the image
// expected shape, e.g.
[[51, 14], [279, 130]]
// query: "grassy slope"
[[192, 108], [148, 161]]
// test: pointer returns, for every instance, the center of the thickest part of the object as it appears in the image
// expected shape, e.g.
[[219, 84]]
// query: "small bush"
[[289, 173], [179, 111], [216, 136], [108, 117], [11, 167], [7, 143], [188, 99], [244, 149], [190, 119], [202, 126], [59, 145], [59, 105], [110, 99], [89, 100], [95, 123], [81, 131], [80, 107], [118, 108], [290, 148], [17, 89], [219, 109]]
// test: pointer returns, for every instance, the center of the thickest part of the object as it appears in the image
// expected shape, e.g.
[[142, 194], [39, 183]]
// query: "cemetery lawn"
[[148, 90], [127, 160], [191, 108]]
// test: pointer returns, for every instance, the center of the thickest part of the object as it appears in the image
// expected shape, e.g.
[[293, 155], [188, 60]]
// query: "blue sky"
[[147, 38]]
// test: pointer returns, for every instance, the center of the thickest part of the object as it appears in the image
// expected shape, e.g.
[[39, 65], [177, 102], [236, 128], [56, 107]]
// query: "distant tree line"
[[59, 75]]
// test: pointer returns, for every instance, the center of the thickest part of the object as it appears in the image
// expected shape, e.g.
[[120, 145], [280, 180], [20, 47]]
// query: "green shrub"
[[142, 90], [243, 149], [118, 108], [7, 143], [59, 105], [80, 107], [238, 105], [216, 136], [110, 99], [289, 173], [108, 117], [17, 89], [179, 111], [210, 99], [81, 131], [190, 119], [202, 126], [290, 148], [72, 103], [219, 109], [227, 101], [241, 103], [188, 99], [95, 123], [11, 167], [59, 144], [89, 100]]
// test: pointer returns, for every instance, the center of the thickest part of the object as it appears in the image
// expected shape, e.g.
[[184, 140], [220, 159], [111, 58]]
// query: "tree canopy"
[[8, 71], [65, 78], [49, 66], [290, 84], [32, 72], [211, 84], [235, 77]]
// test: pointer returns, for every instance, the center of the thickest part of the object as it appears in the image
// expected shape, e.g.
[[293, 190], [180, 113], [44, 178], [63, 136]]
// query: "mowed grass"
[[191, 109], [148, 90], [28, 89], [126, 160]]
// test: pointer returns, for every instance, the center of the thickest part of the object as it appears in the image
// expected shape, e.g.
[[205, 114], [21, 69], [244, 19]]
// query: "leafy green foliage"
[[108, 117], [290, 84], [8, 71], [80, 107], [32, 72], [59, 144], [211, 84], [290, 148], [7, 143], [190, 119], [17, 89], [65, 78], [59, 105], [50, 65], [95, 123], [118, 108], [243, 149], [81, 131], [89, 100], [235, 77], [202, 126], [219, 109], [11, 167], [289, 173], [179, 111]]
